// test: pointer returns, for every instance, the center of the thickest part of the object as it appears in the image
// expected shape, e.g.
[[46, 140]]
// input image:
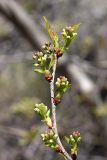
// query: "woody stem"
[[54, 113]]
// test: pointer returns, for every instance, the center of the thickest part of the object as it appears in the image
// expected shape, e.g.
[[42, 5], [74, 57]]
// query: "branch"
[[54, 112], [46, 64], [32, 148], [12, 131], [85, 84], [23, 22]]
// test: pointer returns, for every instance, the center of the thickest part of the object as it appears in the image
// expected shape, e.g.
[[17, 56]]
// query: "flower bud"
[[47, 47], [48, 76], [57, 84], [76, 134], [51, 141], [68, 37], [74, 34], [34, 56], [36, 64]]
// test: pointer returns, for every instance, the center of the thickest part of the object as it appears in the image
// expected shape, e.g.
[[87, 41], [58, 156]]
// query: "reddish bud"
[[58, 52], [58, 149], [76, 134], [62, 77], [56, 100], [48, 76], [74, 156], [50, 127]]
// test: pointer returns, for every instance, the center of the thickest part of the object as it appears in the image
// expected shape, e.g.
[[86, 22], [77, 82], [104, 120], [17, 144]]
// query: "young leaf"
[[52, 60], [69, 41], [75, 27], [41, 109], [53, 35], [39, 70], [44, 112], [67, 139]]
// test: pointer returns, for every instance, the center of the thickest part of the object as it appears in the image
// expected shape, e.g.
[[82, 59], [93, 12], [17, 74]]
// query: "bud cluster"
[[44, 112], [62, 85], [74, 140], [48, 48], [44, 63], [41, 59], [69, 34], [50, 139]]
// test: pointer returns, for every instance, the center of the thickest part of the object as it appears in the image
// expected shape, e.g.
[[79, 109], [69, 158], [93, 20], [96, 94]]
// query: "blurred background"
[[84, 108]]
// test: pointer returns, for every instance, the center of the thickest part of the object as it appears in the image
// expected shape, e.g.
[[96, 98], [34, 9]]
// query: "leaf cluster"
[[73, 140], [44, 112], [62, 86]]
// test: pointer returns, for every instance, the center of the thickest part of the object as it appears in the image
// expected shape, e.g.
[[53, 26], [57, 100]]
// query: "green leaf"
[[28, 136], [68, 42], [41, 109], [39, 70], [67, 139], [75, 27], [67, 88], [53, 35], [52, 60], [44, 112], [48, 113]]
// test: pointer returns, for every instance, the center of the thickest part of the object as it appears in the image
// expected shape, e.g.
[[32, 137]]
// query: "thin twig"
[[54, 113]]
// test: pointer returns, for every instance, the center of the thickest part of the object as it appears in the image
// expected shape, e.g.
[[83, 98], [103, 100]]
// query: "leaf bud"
[[49, 122], [56, 100], [74, 156], [58, 52], [58, 149], [48, 75]]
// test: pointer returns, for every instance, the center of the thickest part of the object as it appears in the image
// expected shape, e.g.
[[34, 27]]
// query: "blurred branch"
[[18, 57], [32, 148], [12, 131], [89, 67], [86, 85], [16, 14]]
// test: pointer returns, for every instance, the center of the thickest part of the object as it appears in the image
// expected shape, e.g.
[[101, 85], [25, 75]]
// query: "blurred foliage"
[[101, 110], [18, 80], [28, 137], [29, 5], [25, 107]]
